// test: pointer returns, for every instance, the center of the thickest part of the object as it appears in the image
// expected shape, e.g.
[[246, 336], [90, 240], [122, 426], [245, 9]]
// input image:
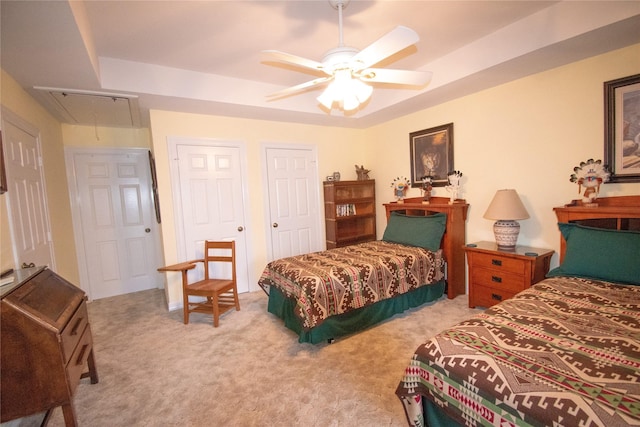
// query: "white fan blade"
[[287, 58], [392, 42], [401, 77], [299, 88]]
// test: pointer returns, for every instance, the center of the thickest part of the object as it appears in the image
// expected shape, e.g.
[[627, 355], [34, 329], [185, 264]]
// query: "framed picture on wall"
[[431, 154], [622, 128]]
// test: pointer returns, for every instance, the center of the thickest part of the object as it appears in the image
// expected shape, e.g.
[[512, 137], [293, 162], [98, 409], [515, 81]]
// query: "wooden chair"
[[221, 294]]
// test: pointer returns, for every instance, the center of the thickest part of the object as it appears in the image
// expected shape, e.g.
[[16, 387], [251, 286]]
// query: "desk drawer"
[[73, 331], [499, 263], [76, 365], [498, 279]]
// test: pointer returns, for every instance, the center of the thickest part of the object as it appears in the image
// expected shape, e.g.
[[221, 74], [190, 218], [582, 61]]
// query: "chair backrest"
[[219, 252]]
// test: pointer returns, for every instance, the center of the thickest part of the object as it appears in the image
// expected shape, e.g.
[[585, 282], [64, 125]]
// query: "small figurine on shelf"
[[427, 186], [363, 174], [454, 186], [590, 174], [400, 186]]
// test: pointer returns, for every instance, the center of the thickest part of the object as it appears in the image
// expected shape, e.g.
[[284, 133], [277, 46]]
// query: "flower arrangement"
[[400, 186], [590, 174]]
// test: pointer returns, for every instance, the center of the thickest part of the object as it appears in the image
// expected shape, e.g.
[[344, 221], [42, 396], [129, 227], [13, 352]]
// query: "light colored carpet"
[[250, 371]]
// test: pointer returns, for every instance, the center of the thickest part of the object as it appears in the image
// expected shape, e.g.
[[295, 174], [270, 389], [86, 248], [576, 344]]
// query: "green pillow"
[[611, 255], [423, 231]]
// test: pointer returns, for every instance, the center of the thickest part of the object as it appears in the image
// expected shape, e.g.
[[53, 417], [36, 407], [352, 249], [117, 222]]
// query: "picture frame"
[[431, 154], [3, 172], [622, 129]]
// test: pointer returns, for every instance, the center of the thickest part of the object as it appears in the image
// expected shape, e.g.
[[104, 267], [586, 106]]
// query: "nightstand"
[[496, 275]]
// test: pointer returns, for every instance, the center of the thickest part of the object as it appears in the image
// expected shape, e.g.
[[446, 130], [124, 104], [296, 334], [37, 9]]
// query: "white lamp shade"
[[506, 205]]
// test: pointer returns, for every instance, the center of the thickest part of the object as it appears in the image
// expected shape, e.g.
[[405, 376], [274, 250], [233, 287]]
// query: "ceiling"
[[205, 56]]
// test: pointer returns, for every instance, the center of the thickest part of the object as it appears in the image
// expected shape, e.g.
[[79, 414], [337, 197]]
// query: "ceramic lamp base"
[[506, 233]]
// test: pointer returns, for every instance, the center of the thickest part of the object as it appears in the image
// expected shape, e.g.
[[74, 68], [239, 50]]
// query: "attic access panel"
[[94, 108]]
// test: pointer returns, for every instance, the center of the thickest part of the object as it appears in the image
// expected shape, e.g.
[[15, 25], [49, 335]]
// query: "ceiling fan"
[[347, 70]]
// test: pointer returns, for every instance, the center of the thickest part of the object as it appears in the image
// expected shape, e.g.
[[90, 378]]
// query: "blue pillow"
[[423, 231], [611, 255]]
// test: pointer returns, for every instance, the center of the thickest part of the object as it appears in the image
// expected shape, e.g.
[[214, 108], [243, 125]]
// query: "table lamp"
[[506, 208]]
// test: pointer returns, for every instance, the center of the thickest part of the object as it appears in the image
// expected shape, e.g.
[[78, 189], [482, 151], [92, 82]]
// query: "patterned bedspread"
[[338, 280], [565, 352]]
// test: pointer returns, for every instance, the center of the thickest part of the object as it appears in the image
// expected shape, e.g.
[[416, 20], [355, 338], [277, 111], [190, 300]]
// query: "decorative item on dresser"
[[496, 275], [506, 208], [453, 239], [349, 212], [46, 344], [570, 342]]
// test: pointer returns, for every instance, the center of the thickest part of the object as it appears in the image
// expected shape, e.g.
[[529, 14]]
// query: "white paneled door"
[[117, 253], [26, 192], [209, 203], [294, 213]]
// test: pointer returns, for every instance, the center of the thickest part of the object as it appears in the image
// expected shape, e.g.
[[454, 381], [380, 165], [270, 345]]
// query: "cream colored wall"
[[338, 150], [105, 137], [15, 99], [528, 134]]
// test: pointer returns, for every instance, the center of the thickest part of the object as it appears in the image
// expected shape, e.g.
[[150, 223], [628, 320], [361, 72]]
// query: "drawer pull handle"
[[80, 359], [74, 331], [497, 262], [496, 279], [496, 297]]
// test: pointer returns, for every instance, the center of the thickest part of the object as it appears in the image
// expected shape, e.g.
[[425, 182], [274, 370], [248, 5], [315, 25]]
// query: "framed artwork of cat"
[[431, 155]]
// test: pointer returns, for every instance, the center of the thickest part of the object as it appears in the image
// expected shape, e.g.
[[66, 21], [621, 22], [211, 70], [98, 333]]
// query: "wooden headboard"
[[614, 213], [454, 236]]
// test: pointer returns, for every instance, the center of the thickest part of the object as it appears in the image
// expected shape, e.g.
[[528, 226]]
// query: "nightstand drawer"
[[486, 296], [498, 262], [498, 279]]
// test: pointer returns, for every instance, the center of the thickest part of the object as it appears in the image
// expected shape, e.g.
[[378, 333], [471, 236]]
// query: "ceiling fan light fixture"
[[348, 92]]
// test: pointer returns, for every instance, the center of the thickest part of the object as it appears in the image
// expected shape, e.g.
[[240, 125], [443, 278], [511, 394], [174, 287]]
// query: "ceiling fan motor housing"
[[338, 58]]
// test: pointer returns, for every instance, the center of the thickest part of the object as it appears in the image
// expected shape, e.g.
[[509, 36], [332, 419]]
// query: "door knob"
[[240, 228], [147, 230], [275, 225]]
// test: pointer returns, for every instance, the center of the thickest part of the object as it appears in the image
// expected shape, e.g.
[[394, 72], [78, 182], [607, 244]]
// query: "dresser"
[[46, 345], [496, 275], [349, 212]]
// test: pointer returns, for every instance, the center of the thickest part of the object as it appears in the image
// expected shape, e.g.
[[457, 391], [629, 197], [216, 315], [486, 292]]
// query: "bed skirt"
[[352, 321]]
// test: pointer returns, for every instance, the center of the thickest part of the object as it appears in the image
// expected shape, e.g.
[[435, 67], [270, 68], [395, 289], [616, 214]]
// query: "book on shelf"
[[346, 210]]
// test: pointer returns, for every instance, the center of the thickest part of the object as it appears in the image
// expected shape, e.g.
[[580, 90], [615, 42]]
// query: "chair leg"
[[185, 298], [235, 297], [216, 311], [185, 307]]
